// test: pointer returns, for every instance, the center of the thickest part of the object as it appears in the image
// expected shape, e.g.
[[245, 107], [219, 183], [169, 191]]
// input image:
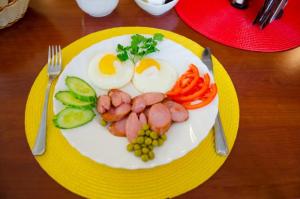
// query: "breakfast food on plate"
[[118, 97], [139, 103], [128, 116], [193, 91], [159, 118], [73, 117], [144, 120], [133, 125], [178, 112], [107, 72], [114, 98], [103, 104], [118, 128], [144, 144], [140, 46], [69, 99], [150, 75], [79, 102], [153, 98], [80, 89], [153, 75], [116, 113], [114, 106]]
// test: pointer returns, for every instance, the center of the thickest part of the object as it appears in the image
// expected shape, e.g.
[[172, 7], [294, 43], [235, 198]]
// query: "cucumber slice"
[[73, 117], [81, 89], [68, 99]]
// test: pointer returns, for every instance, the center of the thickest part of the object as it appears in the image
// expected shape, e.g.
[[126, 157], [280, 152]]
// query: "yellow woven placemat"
[[93, 180]]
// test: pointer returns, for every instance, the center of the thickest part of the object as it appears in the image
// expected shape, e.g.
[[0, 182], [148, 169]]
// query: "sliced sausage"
[[143, 118], [116, 114], [118, 97], [138, 104], [159, 118], [132, 127], [146, 112], [103, 103], [118, 128], [125, 97], [153, 98], [178, 112]]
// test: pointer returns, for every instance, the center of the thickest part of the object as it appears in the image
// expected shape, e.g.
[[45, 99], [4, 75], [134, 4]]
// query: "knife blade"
[[220, 140]]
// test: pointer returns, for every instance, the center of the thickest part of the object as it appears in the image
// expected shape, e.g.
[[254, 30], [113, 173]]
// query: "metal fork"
[[54, 69]]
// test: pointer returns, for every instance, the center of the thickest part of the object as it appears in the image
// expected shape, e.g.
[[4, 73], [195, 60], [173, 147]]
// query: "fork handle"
[[220, 142], [40, 140]]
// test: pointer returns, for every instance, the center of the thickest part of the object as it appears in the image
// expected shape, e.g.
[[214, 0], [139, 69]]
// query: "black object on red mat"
[[240, 4], [221, 22], [271, 10]]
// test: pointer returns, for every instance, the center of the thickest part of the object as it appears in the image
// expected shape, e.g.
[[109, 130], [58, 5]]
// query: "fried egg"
[[153, 75], [107, 72]]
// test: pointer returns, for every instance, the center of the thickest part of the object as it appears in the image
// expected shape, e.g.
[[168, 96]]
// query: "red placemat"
[[219, 21]]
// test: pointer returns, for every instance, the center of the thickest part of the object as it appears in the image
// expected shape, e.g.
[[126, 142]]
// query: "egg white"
[[154, 80], [123, 75]]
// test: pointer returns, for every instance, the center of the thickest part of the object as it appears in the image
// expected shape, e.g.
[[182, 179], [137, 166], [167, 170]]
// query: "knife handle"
[[220, 141]]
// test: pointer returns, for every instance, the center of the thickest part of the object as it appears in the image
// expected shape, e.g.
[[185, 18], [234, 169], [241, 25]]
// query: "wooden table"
[[265, 161]]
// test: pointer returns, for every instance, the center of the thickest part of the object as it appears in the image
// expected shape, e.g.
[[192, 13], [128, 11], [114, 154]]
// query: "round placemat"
[[93, 180], [221, 22]]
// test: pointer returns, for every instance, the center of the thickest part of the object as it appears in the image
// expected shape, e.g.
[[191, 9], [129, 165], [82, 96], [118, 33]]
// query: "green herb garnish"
[[139, 47]]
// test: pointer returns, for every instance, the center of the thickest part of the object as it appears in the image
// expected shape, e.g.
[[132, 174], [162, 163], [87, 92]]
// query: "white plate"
[[94, 141]]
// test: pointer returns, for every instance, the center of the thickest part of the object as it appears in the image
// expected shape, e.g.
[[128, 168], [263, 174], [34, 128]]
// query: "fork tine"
[[52, 57], [49, 56], [60, 57], [56, 56]]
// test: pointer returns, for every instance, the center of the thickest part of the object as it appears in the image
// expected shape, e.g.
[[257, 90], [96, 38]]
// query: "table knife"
[[220, 140]]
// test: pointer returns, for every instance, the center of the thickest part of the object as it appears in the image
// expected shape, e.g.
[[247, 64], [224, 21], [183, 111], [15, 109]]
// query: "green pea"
[[145, 150], [154, 142], [150, 147], [103, 122], [141, 132], [130, 147], [145, 127], [140, 140], [148, 141], [138, 153], [134, 141], [153, 135], [136, 147], [145, 158], [164, 137], [160, 142], [148, 132], [151, 155]]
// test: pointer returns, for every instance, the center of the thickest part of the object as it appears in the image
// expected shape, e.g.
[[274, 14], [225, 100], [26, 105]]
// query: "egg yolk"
[[147, 63], [106, 64]]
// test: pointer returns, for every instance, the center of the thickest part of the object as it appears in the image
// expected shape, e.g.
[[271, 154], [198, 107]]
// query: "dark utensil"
[[262, 14], [271, 10], [240, 4], [279, 10]]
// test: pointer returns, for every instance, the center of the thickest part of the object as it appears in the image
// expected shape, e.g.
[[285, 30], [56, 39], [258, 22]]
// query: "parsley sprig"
[[139, 47]]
